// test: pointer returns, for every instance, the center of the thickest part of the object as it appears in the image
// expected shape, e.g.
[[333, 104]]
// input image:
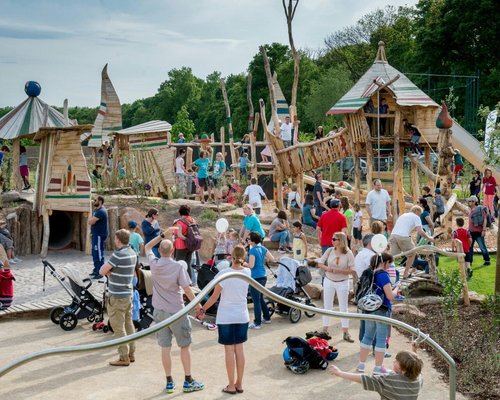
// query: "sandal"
[[226, 390], [239, 390]]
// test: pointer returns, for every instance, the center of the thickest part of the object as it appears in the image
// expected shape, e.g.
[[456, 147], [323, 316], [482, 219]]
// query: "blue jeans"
[[375, 331], [476, 237], [259, 305], [97, 252], [283, 237]]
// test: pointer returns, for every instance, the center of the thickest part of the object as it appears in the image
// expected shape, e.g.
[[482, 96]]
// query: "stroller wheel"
[[55, 314], [105, 329], [271, 307], [91, 318], [68, 321], [308, 313], [294, 314]]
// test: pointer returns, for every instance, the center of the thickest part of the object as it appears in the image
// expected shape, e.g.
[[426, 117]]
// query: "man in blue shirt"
[[99, 231], [251, 223]]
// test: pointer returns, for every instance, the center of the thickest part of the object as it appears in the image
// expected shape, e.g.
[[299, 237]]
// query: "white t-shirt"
[[233, 299], [356, 222], [286, 131], [179, 163], [378, 203], [254, 193], [362, 260], [294, 196], [405, 224]]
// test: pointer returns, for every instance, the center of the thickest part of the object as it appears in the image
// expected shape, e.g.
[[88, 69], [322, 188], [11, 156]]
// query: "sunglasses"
[[335, 240]]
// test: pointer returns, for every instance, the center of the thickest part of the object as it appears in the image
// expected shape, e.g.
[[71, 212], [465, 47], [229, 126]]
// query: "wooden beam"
[[272, 94], [228, 109], [424, 168], [369, 162], [398, 164], [428, 163], [415, 184], [357, 173]]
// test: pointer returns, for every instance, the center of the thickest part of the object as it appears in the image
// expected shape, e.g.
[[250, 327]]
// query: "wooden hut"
[[371, 132], [144, 150], [63, 188]]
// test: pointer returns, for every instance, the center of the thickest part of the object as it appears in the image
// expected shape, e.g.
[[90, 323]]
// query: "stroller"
[[290, 281], [145, 288], [83, 303]]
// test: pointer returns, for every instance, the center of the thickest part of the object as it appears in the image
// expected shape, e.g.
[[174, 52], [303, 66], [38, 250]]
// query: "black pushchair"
[[291, 278], [83, 303], [145, 288]]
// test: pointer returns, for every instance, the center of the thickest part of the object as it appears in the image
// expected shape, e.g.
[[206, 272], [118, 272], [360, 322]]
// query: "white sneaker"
[[13, 261], [361, 367], [16, 260], [253, 326], [266, 321]]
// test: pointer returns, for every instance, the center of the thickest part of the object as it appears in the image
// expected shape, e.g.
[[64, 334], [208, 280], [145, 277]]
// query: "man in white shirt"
[[254, 193], [364, 257], [378, 203], [286, 132], [400, 239]]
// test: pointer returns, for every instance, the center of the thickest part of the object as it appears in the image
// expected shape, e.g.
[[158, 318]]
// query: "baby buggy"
[[83, 303], [290, 281], [145, 288]]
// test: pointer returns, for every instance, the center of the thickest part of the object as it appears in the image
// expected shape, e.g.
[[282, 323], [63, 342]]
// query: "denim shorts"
[[233, 333]]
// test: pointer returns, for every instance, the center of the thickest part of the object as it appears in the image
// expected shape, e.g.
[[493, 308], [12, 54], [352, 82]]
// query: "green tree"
[[325, 92], [4, 110], [183, 124]]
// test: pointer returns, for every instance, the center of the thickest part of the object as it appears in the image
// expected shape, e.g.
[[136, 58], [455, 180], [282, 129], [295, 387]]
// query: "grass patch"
[[483, 279], [208, 215]]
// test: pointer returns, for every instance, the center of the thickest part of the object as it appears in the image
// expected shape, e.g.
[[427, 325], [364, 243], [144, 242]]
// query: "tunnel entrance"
[[61, 230]]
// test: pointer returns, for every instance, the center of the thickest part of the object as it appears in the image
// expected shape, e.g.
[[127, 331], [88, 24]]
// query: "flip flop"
[[226, 390], [239, 390]]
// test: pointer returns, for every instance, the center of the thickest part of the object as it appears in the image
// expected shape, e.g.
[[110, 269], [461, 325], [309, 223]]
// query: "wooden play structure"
[[63, 188], [146, 156]]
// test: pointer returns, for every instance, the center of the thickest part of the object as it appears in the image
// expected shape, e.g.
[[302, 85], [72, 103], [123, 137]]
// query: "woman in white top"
[[232, 319], [295, 203], [180, 171], [338, 264]]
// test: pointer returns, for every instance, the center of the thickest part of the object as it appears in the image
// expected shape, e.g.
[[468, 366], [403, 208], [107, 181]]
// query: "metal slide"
[[470, 149]]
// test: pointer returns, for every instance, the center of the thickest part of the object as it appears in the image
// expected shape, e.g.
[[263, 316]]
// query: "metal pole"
[[5, 369], [378, 132]]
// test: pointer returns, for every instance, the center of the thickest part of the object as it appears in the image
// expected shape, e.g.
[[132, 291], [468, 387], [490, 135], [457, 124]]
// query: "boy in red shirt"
[[464, 236]]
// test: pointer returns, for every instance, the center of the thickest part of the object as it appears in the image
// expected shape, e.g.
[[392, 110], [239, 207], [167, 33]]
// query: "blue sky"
[[64, 44]]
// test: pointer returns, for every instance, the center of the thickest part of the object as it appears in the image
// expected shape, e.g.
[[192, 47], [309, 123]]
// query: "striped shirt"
[[392, 386], [123, 262]]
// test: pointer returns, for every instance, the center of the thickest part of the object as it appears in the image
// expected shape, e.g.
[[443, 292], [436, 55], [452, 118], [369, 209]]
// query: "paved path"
[[87, 376]]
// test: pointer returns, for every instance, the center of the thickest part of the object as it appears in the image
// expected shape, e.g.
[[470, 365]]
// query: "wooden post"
[[463, 272], [428, 163], [113, 222], [228, 109], [16, 144], [76, 231], [357, 173], [432, 266], [35, 233], [415, 184], [369, 162], [234, 159], [85, 233], [272, 94], [23, 246], [253, 152], [398, 204], [12, 224], [250, 104], [46, 234], [223, 144]]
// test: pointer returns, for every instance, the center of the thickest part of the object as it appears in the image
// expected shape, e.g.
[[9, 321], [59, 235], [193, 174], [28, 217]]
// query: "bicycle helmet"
[[370, 302], [299, 367]]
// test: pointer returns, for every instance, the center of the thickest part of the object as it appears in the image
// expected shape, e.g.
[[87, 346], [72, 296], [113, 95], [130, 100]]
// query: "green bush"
[[452, 289]]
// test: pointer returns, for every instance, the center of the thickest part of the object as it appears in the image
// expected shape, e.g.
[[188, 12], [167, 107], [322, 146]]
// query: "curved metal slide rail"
[[5, 369]]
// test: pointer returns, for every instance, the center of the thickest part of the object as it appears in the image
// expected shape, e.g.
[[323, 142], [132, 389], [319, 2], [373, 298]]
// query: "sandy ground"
[[88, 376]]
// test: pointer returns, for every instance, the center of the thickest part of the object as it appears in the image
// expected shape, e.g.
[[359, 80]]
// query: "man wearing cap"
[[181, 138], [330, 223], [136, 241], [477, 227]]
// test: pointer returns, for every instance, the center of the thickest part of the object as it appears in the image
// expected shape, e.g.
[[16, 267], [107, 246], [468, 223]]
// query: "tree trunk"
[[497, 277], [228, 109], [290, 13]]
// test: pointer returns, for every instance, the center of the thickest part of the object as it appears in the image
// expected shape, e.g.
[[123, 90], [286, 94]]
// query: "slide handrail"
[[5, 369]]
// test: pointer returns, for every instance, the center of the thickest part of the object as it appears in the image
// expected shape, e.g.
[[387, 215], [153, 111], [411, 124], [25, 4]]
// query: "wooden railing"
[[302, 157]]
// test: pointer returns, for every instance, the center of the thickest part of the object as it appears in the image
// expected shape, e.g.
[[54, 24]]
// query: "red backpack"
[[6, 288]]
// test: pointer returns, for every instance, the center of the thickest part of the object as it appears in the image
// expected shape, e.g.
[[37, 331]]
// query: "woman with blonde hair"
[[338, 264], [232, 319]]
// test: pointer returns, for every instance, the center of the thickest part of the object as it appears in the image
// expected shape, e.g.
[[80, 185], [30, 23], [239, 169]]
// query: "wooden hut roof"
[[28, 117], [147, 127], [44, 131], [405, 92]]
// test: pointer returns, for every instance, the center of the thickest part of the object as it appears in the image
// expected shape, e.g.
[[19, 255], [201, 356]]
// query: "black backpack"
[[365, 283], [489, 220], [193, 236], [300, 351]]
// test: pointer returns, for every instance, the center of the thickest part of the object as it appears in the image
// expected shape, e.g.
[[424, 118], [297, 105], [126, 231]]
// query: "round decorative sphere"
[[204, 136], [32, 88]]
